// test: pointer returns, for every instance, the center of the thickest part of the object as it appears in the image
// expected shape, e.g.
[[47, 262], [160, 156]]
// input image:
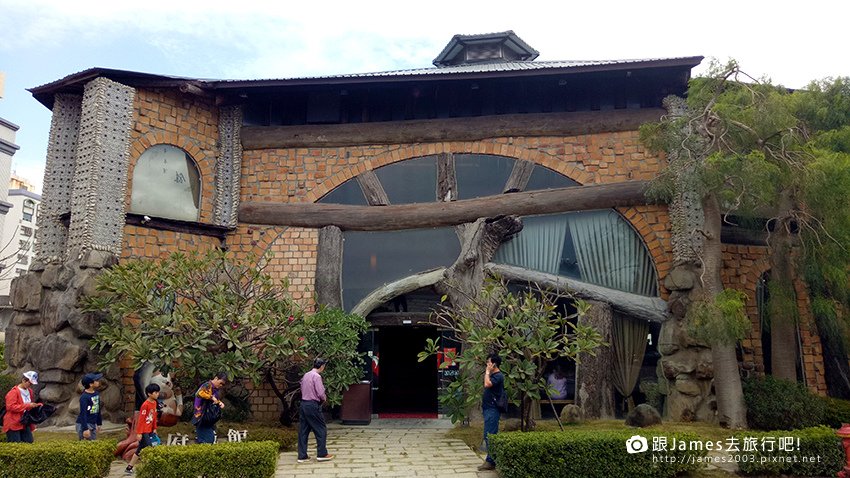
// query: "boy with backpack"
[[146, 424]]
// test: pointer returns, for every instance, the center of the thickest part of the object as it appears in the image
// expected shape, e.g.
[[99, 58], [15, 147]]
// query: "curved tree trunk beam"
[[397, 288], [634, 305], [440, 214], [478, 243]]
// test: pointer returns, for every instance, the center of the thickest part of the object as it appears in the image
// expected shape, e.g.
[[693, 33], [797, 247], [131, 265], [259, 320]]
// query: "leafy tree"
[[198, 314], [774, 156], [527, 329]]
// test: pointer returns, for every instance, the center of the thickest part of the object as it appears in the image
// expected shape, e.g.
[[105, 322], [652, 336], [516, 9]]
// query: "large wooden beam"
[[447, 129], [440, 214], [329, 267], [397, 288], [637, 306]]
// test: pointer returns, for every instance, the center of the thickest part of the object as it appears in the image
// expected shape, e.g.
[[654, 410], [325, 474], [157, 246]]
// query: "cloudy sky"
[[44, 40]]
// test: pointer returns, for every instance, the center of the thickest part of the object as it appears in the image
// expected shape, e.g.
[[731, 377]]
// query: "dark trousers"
[[19, 436], [205, 434], [310, 418], [491, 427]]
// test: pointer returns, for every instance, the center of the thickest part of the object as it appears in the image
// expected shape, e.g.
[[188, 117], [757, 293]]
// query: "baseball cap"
[[32, 376], [90, 378]]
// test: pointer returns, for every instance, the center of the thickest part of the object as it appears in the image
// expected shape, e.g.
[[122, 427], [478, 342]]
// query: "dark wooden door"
[[406, 385]]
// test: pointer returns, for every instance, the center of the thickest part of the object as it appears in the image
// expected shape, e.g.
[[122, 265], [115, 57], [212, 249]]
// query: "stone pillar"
[[686, 368], [52, 234], [594, 383], [100, 179], [228, 167]]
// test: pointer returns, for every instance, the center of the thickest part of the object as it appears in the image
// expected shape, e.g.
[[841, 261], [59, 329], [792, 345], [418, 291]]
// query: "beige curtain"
[[629, 343]]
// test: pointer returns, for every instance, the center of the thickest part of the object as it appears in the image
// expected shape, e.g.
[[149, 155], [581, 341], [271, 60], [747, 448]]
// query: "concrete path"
[[385, 448]]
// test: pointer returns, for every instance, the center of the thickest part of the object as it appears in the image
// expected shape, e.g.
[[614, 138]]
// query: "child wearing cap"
[[89, 420], [20, 399]]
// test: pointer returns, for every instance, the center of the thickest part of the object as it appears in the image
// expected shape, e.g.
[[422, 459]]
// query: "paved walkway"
[[386, 448]]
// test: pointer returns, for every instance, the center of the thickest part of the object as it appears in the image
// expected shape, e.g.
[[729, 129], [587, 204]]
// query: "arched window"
[[166, 183], [598, 247], [28, 210]]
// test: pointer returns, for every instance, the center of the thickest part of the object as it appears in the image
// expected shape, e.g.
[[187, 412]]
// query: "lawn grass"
[[472, 435]]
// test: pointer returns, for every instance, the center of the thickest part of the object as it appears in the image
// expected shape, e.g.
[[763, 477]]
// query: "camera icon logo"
[[636, 444]]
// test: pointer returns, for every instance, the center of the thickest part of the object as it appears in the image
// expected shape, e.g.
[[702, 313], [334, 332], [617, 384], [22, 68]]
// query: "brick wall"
[[743, 266], [190, 123]]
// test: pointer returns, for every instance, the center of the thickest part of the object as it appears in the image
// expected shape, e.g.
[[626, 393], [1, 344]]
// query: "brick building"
[[140, 165]]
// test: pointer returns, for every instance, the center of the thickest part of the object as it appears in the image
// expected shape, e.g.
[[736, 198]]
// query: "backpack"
[[502, 401], [210, 414]]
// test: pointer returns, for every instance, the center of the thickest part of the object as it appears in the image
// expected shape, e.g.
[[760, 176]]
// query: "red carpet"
[[407, 415]]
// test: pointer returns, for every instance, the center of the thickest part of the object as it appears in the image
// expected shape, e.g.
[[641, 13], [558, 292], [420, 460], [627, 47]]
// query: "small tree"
[[199, 314], [527, 329]]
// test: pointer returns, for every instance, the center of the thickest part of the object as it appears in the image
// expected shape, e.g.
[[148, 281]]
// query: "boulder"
[[687, 386], [25, 292], [18, 341], [111, 396], [680, 278], [85, 323], [571, 414], [55, 393], [26, 318], [56, 351], [97, 259], [57, 276], [56, 375], [56, 310], [643, 415]]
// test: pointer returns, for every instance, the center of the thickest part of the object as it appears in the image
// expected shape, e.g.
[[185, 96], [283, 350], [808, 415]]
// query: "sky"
[[42, 41]]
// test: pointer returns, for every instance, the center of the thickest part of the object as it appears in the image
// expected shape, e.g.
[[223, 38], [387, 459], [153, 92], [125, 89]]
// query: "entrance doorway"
[[406, 386]]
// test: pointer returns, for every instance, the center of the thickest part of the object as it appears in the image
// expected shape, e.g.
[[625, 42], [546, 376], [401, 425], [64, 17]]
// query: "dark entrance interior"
[[406, 385]]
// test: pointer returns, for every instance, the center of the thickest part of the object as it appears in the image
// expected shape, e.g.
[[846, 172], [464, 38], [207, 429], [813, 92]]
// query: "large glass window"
[[545, 178], [598, 247], [372, 259], [348, 192], [166, 183], [480, 175], [414, 180]]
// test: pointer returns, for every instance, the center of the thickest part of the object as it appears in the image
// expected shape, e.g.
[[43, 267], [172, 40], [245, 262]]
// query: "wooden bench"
[[537, 411]]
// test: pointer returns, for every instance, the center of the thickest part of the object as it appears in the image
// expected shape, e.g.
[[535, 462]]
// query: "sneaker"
[[304, 460], [327, 457], [129, 471], [486, 466]]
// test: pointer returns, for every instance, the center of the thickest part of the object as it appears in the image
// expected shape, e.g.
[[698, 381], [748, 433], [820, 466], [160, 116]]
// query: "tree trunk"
[[732, 411], [329, 267], [783, 322], [594, 384]]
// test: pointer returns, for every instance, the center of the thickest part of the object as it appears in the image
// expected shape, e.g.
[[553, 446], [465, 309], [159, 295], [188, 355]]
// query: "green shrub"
[[287, 438], [820, 447], [589, 454], [72, 459], [774, 404], [223, 460], [837, 412], [6, 384]]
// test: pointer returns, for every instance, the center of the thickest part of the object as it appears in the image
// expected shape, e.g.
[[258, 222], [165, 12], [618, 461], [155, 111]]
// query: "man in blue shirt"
[[494, 386]]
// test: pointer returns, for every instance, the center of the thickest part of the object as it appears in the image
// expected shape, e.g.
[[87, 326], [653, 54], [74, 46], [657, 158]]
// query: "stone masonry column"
[[86, 175], [52, 234], [594, 384]]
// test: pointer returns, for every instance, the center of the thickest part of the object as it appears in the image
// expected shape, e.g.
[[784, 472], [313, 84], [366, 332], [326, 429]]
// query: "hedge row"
[[287, 438], [222, 460], [589, 454], [818, 452], [71, 459]]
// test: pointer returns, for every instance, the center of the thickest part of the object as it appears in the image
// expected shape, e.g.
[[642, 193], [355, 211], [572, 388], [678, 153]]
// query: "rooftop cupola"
[[486, 47]]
